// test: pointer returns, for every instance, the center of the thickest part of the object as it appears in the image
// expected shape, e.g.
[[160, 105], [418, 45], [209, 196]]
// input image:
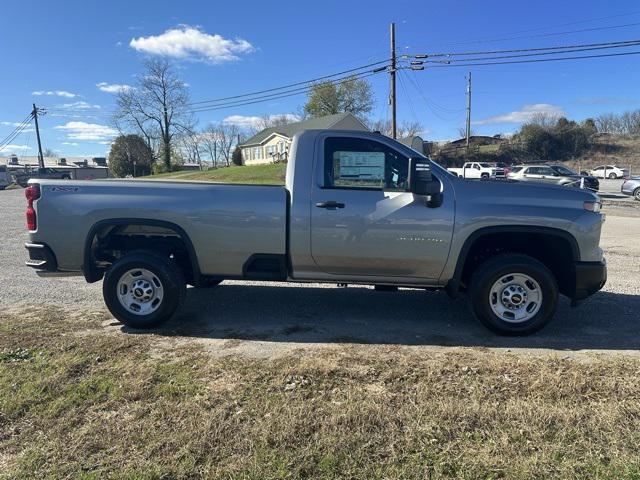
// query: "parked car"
[[631, 186], [357, 207], [590, 182], [23, 178], [553, 174], [609, 171], [5, 177], [478, 170]]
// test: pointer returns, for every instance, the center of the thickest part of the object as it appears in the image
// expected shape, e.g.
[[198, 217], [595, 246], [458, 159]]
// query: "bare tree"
[[462, 132], [157, 107], [47, 152], [268, 121], [209, 138], [192, 143], [545, 120], [227, 134], [405, 129]]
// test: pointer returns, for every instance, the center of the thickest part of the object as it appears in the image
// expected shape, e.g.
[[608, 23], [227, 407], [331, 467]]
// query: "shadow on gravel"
[[408, 317]]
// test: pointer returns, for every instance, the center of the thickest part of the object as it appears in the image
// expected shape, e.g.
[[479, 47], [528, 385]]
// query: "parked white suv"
[[608, 171]]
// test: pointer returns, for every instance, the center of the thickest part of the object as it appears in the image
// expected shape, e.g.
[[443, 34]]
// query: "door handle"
[[331, 204]]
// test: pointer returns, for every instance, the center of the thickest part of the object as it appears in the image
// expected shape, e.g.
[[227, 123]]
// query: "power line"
[[539, 60], [16, 131], [557, 47], [276, 96], [248, 101], [537, 54], [306, 82], [503, 39]]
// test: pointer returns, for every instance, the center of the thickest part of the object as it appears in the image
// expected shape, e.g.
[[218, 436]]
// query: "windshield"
[[563, 170], [516, 169]]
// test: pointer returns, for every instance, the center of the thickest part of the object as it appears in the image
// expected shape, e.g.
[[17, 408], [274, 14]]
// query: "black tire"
[[636, 193], [613, 176], [65, 177], [497, 267], [167, 272], [484, 176]]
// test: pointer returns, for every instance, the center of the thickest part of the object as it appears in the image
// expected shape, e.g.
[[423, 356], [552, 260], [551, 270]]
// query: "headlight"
[[593, 206]]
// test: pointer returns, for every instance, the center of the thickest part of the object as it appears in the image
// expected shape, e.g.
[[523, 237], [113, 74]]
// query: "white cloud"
[[81, 106], [12, 148], [113, 87], [87, 131], [54, 93], [71, 144], [525, 114], [18, 124], [254, 121], [191, 43]]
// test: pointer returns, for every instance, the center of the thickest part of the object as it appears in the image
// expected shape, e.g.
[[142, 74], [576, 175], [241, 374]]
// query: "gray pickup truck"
[[357, 208]]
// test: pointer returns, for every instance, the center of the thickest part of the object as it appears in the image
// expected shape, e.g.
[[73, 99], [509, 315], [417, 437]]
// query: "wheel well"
[[109, 242], [556, 252]]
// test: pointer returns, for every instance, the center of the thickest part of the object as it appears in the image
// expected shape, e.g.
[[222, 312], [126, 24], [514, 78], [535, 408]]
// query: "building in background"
[[271, 145], [78, 168]]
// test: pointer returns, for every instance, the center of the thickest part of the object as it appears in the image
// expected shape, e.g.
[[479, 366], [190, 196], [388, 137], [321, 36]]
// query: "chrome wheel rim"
[[140, 291], [515, 297]]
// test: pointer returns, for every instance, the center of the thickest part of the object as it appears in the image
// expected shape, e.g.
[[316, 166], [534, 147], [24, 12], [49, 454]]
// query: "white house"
[[272, 144]]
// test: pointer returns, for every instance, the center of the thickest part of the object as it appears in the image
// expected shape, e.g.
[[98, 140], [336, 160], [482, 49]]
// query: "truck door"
[[364, 222]]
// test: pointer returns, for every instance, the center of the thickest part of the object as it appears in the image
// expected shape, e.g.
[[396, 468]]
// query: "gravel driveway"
[[269, 319]]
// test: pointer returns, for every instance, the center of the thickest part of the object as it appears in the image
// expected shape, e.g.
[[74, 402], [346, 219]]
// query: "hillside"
[[620, 150]]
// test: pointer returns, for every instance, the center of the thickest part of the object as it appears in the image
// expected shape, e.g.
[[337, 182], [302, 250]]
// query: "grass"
[[268, 174], [112, 405]]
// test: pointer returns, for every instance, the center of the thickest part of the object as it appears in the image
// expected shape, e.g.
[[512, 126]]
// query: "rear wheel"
[[613, 175], [143, 289], [636, 193], [513, 294]]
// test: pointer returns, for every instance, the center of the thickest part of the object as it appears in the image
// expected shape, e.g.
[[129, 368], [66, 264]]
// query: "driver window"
[[362, 163]]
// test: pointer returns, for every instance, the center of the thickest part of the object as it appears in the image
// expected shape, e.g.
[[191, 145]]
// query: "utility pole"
[[35, 117], [468, 110], [392, 72]]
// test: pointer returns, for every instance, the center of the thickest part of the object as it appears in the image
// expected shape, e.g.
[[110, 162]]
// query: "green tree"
[[127, 149], [353, 95], [559, 140]]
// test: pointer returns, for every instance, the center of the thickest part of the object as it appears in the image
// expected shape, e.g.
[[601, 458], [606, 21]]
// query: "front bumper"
[[41, 257], [590, 277]]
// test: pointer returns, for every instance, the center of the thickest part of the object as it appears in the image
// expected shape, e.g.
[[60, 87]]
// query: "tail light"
[[32, 193]]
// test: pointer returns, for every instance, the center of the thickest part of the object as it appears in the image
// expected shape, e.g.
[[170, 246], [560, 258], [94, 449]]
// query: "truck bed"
[[226, 223]]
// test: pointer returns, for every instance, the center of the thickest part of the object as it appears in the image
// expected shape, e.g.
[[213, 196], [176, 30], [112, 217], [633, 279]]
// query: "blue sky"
[[76, 53]]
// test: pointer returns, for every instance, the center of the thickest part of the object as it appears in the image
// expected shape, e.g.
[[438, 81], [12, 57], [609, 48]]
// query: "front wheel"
[[484, 176], [143, 289], [636, 193], [513, 294], [613, 176]]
